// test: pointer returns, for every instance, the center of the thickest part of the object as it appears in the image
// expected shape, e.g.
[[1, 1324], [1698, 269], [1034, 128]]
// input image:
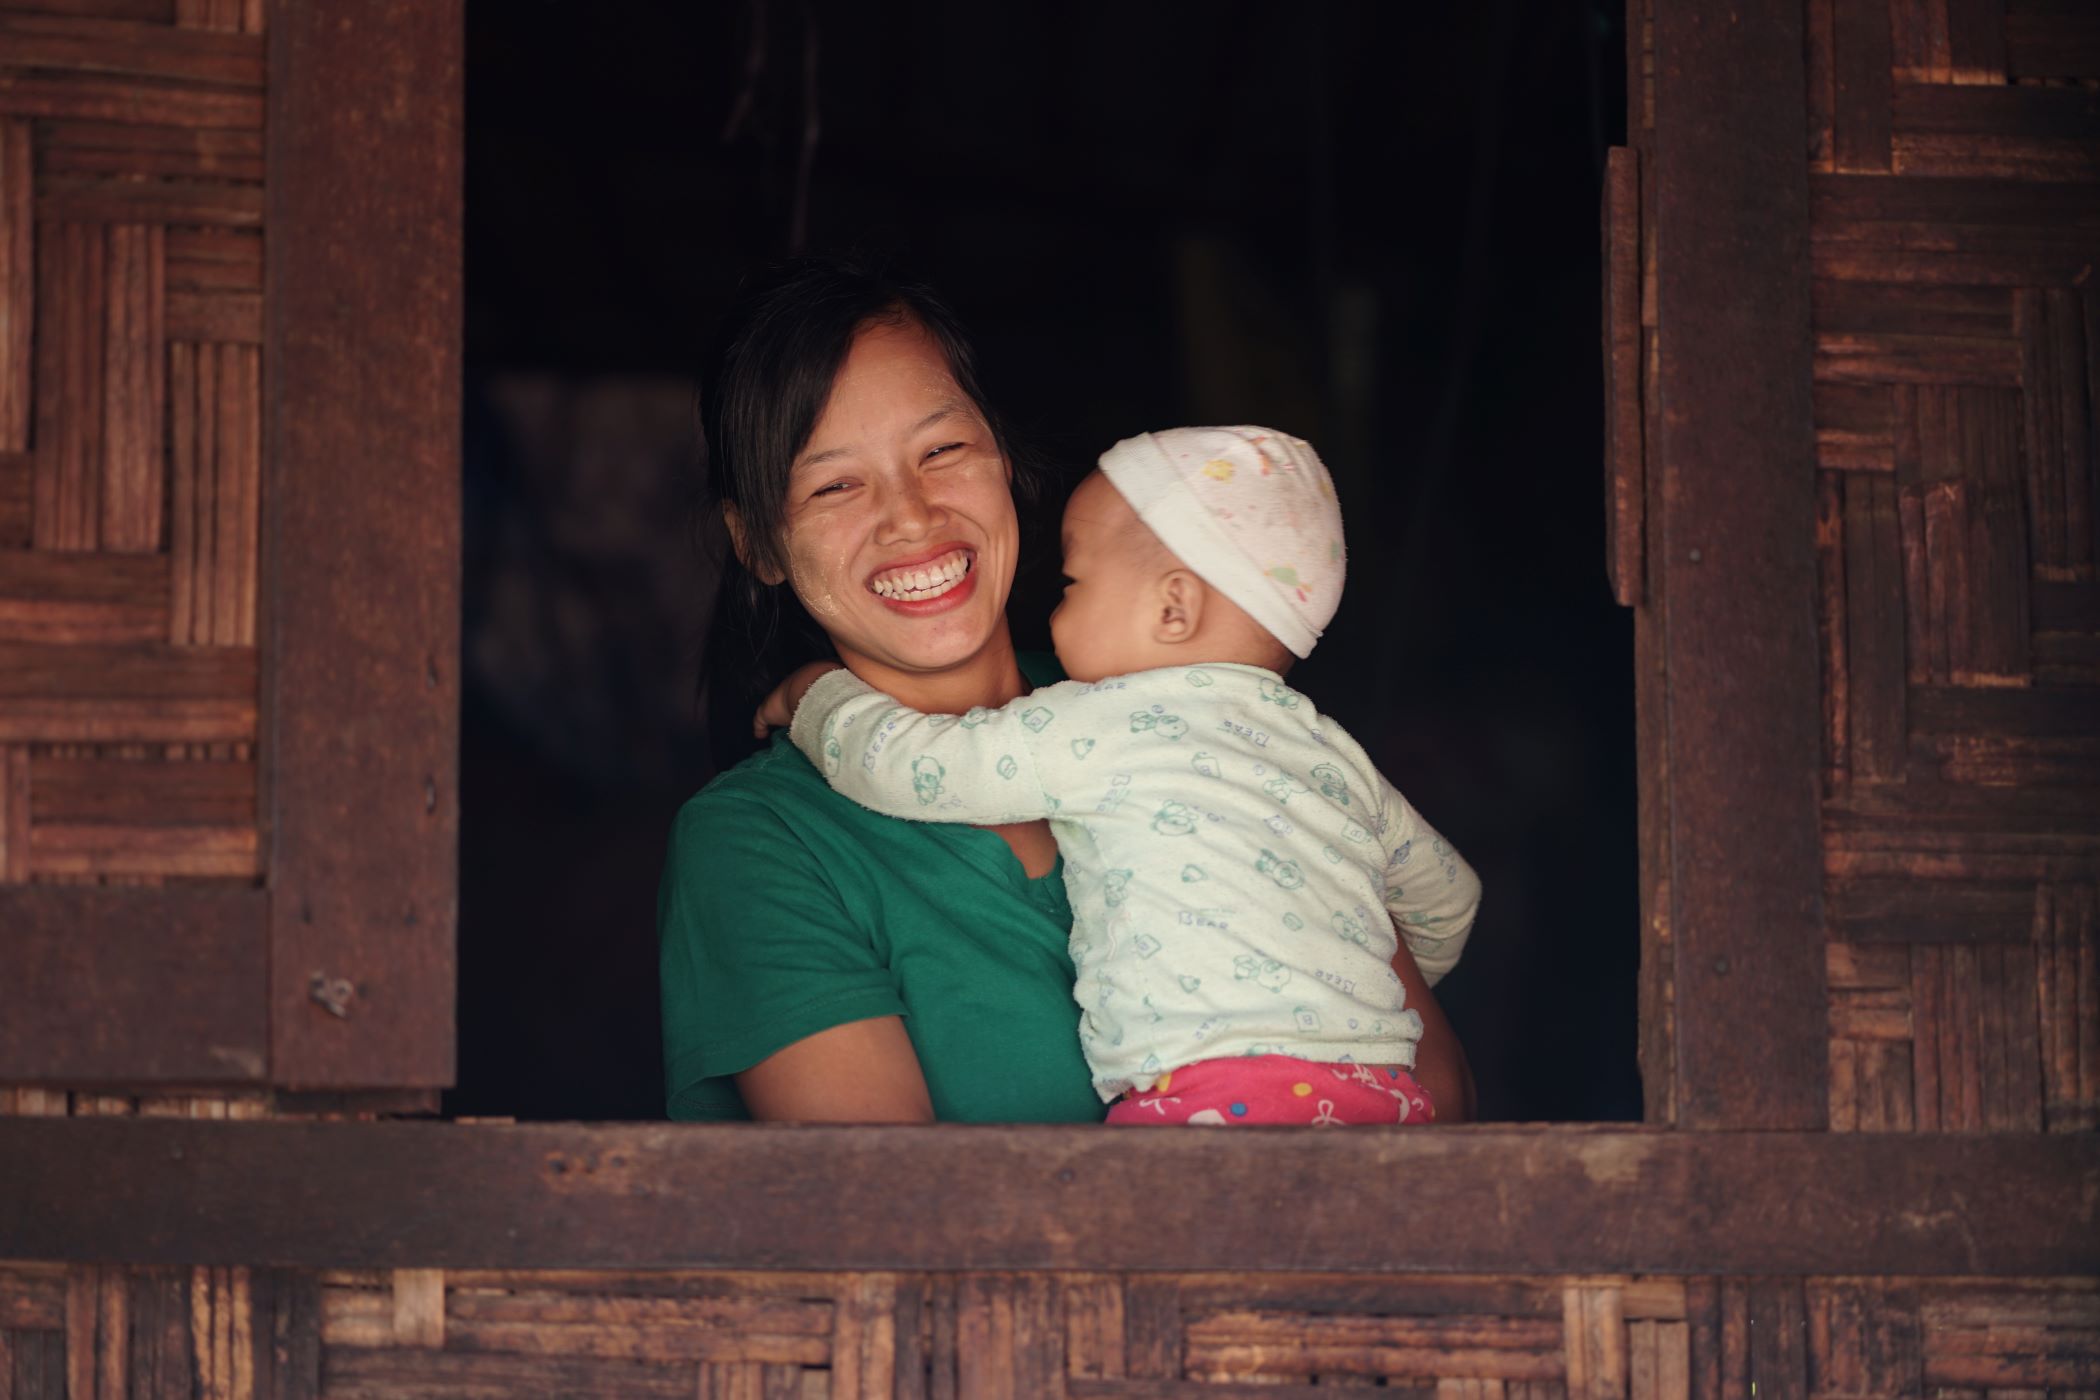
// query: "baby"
[[1231, 854]]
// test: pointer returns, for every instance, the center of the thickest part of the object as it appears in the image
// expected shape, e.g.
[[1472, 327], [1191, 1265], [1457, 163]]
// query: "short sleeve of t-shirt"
[[786, 909], [783, 964]]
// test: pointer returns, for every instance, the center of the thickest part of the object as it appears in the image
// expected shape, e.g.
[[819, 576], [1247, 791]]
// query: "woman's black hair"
[[787, 333]]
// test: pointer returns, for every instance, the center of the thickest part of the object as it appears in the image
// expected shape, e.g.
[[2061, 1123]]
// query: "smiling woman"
[[821, 962]]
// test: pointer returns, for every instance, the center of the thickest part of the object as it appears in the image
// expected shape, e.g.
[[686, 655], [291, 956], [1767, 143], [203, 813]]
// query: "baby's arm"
[[981, 767], [1432, 893]]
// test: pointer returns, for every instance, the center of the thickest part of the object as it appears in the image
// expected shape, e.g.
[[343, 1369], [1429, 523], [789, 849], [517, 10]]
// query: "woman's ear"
[[1180, 608], [734, 519]]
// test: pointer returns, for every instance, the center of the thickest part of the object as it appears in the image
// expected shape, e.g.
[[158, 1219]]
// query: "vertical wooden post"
[[1734, 565], [362, 378]]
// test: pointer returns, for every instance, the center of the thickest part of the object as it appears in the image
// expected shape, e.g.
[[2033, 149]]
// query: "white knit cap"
[[1252, 511]]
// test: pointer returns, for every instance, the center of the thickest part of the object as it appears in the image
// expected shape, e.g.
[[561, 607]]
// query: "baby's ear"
[[734, 519], [1180, 610]]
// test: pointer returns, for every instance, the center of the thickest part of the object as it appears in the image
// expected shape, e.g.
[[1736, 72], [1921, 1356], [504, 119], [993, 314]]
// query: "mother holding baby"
[[821, 962]]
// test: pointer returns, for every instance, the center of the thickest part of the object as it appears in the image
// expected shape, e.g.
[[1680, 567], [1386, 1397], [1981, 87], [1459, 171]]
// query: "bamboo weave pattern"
[[131, 260], [1955, 225], [241, 1333]]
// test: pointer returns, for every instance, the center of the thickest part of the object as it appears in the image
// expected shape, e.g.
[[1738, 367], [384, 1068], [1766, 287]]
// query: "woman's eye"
[[827, 489], [944, 447]]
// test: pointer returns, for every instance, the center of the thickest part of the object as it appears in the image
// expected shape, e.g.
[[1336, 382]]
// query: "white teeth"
[[917, 585]]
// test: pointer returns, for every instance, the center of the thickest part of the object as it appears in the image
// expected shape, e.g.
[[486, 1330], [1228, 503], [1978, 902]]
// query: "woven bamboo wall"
[[239, 1333], [131, 266], [1954, 153], [1955, 229]]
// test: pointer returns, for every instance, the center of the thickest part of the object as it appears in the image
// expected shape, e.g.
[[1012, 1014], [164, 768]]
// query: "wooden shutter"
[[1940, 232], [229, 280]]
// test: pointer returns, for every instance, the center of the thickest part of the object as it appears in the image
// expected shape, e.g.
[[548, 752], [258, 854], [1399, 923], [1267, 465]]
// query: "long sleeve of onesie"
[[984, 767], [1430, 891]]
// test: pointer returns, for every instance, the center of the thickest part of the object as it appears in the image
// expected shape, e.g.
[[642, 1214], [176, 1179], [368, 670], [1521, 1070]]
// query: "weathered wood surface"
[[1955, 226], [1952, 223], [131, 200], [1731, 566], [364, 274], [172, 1332], [229, 534], [405, 1195], [108, 986]]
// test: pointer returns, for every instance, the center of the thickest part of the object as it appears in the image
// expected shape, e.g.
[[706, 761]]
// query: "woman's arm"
[[860, 1072], [1440, 1061]]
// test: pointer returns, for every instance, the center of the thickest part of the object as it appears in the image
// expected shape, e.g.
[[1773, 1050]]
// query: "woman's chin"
[[924, 641]]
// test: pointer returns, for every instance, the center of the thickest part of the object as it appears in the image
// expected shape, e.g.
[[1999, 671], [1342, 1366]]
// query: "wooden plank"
[[71, 268], [1855, 427], [1480, 1199], [1625, 484], [1850, 207], [167, 152], [1976, 41], [1863, 1337], [17, 287], [222, 318], [1921, 50], [2067, 971], [160, 1335], [107, 790], [2023, 133], [119, 200], [1915, 359], [361, 1373], [1862, 57], [1871, 308], [135, 986], [1874, 689], [134, 376], [2059, 441], [126, 694], [130, 48], [214, 260], [71, 97], [153, 11], [56, 597], [2051, 39], [1737, 564], [363, 447], [1870, 911], [17, 490]]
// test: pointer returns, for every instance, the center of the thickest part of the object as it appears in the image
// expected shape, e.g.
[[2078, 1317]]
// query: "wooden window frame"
[[338, 972], [1745, 1182]]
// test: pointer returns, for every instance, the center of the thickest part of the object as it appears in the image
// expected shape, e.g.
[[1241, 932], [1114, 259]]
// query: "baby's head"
[[1195, 545]]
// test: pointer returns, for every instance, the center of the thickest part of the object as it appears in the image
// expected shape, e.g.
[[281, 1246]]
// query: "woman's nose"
[[908, 511]]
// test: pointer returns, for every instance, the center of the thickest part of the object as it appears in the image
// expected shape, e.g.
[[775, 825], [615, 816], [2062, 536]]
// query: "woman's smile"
[[900, 526], [924, 579]]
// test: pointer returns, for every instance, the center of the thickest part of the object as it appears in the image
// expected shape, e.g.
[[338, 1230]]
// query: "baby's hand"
[[777, 711]]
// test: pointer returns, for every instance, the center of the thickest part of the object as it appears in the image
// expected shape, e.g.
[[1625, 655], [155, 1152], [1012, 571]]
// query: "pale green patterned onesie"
[[1230, 853]]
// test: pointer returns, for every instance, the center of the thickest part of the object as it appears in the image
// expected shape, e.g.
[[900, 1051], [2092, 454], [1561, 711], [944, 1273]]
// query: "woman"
[[822, 963]]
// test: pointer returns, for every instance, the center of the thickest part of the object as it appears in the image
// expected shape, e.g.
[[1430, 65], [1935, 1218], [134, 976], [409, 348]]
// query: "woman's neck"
[[990, 678]]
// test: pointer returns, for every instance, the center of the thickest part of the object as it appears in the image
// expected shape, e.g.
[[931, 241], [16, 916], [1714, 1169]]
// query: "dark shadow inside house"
[[1372, 225]]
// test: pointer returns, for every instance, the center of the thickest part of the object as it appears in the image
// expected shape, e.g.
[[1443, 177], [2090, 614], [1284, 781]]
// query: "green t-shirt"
[[787, 909]]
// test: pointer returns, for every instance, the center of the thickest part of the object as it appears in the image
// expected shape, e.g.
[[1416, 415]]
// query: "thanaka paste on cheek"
[[808, 577]]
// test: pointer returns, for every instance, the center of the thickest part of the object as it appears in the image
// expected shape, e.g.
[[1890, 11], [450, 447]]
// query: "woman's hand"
[[1440, 1061], [777, 711], [861, 1072]]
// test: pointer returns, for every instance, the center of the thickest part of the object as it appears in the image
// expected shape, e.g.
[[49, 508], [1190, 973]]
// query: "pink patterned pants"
[[1278, 1089]]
